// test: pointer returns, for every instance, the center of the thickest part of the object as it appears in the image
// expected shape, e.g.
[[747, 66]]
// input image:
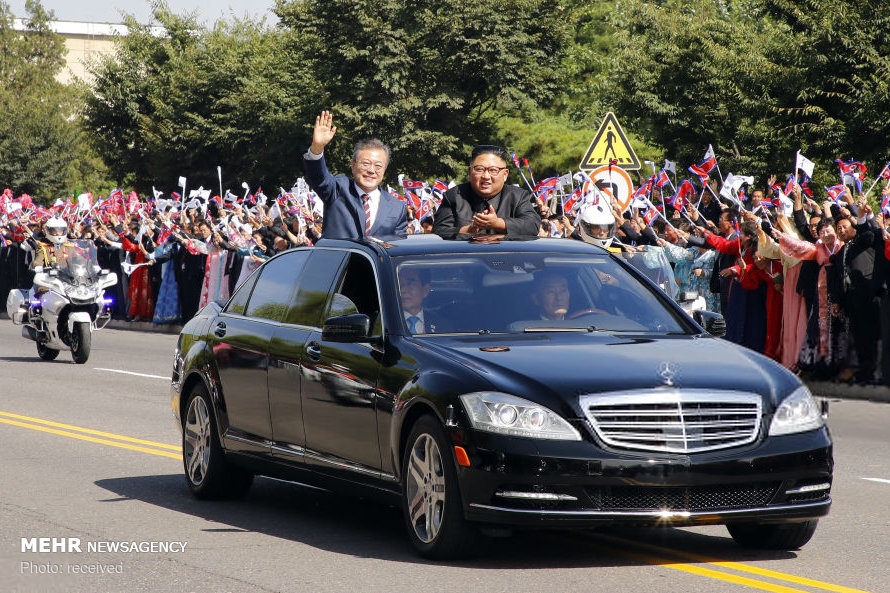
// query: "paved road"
[[90, 452]]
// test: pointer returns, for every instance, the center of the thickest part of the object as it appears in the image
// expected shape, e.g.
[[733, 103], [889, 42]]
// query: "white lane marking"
[[132, 373], [881, 480]]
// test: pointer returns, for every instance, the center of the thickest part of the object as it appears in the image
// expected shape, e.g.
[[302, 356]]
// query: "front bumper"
[[524, 482]]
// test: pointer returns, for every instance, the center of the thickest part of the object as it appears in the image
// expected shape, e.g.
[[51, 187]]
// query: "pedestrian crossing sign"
[[610, 145]]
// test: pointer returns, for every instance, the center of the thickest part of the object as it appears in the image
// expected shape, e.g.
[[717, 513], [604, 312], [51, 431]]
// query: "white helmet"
[[597, 224], [56, 230]]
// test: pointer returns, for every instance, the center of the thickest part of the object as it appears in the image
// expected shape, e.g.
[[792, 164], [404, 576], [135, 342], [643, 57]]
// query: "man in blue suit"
[[353, 208]]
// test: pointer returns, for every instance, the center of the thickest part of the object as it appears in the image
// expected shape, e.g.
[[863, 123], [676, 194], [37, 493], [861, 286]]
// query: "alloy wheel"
[[196, 437], [426, 488]]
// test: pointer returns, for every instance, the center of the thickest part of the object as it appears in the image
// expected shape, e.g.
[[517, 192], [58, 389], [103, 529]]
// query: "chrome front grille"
[[674, 421]]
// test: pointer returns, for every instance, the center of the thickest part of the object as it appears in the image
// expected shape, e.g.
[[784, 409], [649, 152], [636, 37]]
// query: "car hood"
[[553, 369]]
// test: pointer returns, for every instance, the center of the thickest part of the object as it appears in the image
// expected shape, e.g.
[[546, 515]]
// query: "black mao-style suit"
[[514, 204]]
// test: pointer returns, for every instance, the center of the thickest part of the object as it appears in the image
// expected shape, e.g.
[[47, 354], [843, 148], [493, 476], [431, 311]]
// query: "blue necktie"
[[412, 323]]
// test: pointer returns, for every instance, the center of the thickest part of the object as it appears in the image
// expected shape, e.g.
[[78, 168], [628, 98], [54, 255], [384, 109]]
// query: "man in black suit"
[[485, 205], [414, 287], [853, 292], [355, 208]]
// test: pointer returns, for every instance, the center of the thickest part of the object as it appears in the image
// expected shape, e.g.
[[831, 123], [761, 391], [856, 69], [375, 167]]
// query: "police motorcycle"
[[68, 300], [596, 225]]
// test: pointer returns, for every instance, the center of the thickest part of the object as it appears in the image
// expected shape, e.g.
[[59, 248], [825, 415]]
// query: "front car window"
[[527, 292]]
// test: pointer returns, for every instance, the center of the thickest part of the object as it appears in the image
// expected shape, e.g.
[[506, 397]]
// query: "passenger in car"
[[414, 287], [485, 205]]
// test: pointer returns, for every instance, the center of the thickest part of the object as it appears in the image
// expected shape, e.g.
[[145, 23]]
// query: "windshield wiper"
[[589, 328]]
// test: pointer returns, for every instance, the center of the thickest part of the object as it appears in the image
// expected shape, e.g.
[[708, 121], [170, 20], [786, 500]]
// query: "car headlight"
[[507, 414], [797, 413]]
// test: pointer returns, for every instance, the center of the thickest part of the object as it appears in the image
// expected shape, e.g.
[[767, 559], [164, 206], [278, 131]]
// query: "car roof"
[[434, 245]]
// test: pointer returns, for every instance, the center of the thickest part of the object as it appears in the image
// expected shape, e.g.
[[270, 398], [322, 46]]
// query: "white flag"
[[274, 211], [670, 166], [182, 182], [710, 153], [728, 186], [743, 179], [157, 194], [802, 163], [85, 201]]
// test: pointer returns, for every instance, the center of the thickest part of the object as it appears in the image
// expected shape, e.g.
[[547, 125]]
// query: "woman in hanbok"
[[825, 346], [692, 270], [794, 308], [140, 295], [167, 309]]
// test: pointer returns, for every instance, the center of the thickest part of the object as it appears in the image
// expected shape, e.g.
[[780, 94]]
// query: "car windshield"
[[525, 293], [651, 262], [77, 261]]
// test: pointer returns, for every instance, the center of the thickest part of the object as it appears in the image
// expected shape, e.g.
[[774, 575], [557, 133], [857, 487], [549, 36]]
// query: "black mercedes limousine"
[[507, 383]]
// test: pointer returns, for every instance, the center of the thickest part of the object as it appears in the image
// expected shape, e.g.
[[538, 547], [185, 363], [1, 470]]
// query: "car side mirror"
[[713, 323], [347, 328]]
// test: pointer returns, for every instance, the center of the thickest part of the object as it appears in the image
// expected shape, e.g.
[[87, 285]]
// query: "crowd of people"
[[807, 288]]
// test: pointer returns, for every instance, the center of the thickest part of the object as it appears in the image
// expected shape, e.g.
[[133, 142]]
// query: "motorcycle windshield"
[[653, 263], [77, 261]]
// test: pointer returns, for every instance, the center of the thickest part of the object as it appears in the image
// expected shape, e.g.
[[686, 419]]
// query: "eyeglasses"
[[370, 165], [479, 170]]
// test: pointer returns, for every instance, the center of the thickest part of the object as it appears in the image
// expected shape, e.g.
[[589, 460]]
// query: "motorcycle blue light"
[[108, 300]]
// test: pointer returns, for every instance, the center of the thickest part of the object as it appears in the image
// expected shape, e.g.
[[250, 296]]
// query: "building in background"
[[83, 42]]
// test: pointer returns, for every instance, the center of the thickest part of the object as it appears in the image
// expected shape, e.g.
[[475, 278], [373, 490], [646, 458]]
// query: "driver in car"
[[551, 296]]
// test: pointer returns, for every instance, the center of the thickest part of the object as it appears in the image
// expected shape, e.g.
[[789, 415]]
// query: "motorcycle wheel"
[[80, 342], [46, 353]]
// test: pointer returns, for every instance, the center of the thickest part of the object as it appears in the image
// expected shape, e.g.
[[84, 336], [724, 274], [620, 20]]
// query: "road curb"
[[144, 326], [875, 393]]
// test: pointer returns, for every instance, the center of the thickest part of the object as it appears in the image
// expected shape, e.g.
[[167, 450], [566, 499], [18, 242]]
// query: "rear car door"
[[339, 381], [241, 336], [286, 349]]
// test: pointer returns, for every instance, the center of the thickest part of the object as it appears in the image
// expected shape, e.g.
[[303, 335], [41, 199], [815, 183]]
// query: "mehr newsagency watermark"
[[74, 545]]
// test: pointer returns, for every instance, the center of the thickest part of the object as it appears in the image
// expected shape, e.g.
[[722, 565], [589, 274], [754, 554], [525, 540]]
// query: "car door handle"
[[313, 350], [220, 330]]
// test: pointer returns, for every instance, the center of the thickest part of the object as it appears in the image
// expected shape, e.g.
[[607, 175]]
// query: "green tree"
[[39, 139], [836, 63], [757, 79], [430, 78], [190, 99]]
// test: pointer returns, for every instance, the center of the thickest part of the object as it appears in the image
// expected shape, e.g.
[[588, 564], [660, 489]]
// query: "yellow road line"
[[738, 566], [119, 437], [84, 437]]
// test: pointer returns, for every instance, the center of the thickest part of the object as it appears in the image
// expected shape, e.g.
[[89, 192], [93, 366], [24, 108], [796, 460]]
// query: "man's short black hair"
[[370, 143], [498, 151], [423, 273]]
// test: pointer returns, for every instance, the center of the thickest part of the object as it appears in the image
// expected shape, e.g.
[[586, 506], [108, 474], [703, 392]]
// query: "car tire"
[[779, 536], [81, 340], [46, 353], [208, 474], [431, 499]]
